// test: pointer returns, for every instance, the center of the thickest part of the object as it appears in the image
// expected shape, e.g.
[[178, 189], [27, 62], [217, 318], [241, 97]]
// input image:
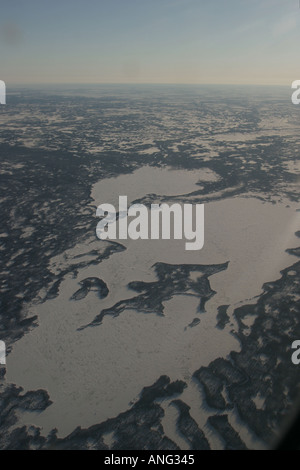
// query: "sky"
[[150, 41]]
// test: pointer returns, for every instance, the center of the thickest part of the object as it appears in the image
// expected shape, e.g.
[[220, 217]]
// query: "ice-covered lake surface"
[[93, 374], [129, 344]]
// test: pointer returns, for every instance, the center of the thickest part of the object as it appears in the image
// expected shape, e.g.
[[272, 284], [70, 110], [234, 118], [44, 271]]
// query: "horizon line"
[[142, 84]]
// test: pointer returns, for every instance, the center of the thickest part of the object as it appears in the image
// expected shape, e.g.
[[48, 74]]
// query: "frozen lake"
[[94, 373]]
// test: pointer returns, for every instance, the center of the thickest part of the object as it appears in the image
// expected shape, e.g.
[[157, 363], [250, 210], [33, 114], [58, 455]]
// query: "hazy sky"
[[150, 41]]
